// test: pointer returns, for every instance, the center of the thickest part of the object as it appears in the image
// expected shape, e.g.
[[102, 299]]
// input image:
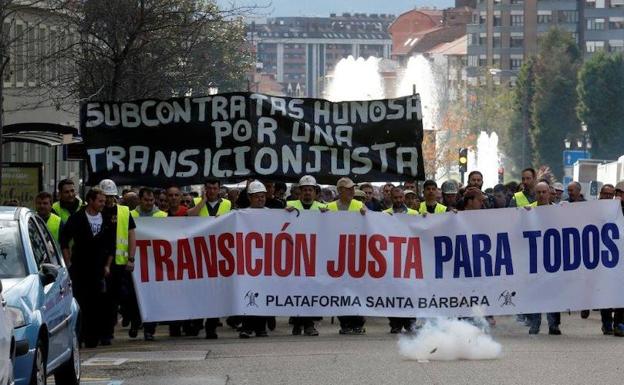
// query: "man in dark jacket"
[[89, 260]]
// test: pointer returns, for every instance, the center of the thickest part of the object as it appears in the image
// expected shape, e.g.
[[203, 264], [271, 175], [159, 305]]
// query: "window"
[[482, 19], [617, 3], [473, 61], [7, 73], [497, 21], [31, 58], [19, 53], [52, 246], [590, 3], [13, 262], [473, 39], [516, 41], [516, 1], [516, 63], [39, 247], [496, 61], [616, 45], [482, 39], [595, 24], [517, 20], [496, 40], [594, 46], [544, 18], [482, 61], [570, 17], [616, 23]]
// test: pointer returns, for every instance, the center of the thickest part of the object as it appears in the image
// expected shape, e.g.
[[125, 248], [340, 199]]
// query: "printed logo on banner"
[[250, 298], [505, 298]]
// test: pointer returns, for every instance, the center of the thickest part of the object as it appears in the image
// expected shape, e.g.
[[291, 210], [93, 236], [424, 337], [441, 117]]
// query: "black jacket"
[[89, 253]]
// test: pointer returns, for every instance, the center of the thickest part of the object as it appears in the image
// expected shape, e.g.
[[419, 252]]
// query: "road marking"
[[95, 381], [108, 359], [103, 361]]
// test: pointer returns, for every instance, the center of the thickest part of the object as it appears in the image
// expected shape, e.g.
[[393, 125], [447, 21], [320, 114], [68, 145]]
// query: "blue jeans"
[[535, 320]]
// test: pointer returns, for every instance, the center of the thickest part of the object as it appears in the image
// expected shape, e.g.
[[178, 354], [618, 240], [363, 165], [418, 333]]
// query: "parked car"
[[38, 292], [7, 344]]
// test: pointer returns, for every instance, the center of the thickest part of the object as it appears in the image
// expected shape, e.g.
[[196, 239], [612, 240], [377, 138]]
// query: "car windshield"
[[12, 261]]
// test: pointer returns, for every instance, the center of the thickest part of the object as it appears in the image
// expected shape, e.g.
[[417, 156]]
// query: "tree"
[[601, 103], [515, 139], [158, 48], [555, 98]]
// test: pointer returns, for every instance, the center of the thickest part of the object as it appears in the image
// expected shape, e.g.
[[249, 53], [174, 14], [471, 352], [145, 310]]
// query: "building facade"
[[301, 51], [505, 33]]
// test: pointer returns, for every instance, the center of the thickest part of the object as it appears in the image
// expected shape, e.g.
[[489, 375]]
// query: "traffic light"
[[463, 159]]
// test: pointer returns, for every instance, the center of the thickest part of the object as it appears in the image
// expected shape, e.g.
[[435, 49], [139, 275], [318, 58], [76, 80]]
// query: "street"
[[582, 355]]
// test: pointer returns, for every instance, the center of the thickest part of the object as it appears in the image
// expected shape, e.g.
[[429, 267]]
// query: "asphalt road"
[[582, 355]]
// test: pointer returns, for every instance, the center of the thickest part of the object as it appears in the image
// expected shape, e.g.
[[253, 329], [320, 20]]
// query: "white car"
[[7, 344]]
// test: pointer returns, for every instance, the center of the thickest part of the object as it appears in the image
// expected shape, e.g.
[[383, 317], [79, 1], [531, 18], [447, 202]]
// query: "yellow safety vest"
[[439, 209], [299, 206], [157, 214], [521, 199], [409, 211], [63, 213], [224, 207], [123, 222], [355, 205], [533, 204], [54, 225]]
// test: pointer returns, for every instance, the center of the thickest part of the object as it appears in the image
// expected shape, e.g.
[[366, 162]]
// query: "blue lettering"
[[503, 255], [552, 266], [571, 258], [532, 236], [462, 257], [610, 232], [481, 245], [591, 256], [443, 253]]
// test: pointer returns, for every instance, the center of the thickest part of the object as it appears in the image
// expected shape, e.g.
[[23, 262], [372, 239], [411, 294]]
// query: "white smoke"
[[445, 339]]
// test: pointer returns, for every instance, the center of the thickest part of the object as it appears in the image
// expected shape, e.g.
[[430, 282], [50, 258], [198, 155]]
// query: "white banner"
[[487, 262]]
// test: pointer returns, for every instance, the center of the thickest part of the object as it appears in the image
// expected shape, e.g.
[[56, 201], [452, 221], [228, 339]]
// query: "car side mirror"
[[48, 273]]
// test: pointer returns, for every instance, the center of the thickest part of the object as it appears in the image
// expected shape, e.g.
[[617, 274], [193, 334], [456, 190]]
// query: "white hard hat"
[[108, 187], [307, 180], [256, 187]]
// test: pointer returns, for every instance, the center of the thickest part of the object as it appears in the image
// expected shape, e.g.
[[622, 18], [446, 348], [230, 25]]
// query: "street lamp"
[[567, 143]]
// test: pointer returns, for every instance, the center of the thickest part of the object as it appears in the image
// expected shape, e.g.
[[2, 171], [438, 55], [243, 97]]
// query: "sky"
[[325, 7]]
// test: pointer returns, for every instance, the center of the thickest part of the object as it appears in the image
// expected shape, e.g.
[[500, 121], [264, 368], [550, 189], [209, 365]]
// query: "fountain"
[[356, 79]]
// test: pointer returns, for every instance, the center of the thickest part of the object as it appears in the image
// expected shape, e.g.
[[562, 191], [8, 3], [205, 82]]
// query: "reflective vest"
[[533, 204], [409, 211], [157, 214], [355, 205], [438, 208], [62, 212], [521, 199], [123, 221], [299, 206], [224, 207], [54, 225]]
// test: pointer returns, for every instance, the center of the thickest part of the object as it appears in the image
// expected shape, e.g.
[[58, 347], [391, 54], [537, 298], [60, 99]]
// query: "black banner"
[[236, 136]]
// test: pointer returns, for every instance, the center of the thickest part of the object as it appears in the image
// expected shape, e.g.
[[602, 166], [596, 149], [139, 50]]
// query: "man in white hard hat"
[[558, 191], [120, 280], [307, 201], [257, 193]]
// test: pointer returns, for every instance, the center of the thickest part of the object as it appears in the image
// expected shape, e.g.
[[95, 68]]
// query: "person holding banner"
[[68, 202], [307, 189], [612, 319], [88, 244], [527, 195], [256, 191], [120, 281], [346, 202], [211, 205], [411, 200], [397, 324], [431, 205], [542, 194], [147, 208], [43, 205]]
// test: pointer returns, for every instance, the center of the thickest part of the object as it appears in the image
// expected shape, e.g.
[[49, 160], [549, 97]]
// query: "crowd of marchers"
[[97, 238]]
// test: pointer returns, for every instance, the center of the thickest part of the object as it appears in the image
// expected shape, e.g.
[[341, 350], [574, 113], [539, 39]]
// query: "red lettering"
[[283, 255], [226, 265], [253, 270], [376, 244], [357, 271], [413, 259], [397, 244], [305, 255], [162, 256], [142, 246], [185, 259], [268, 254], [337, 269], [203, 255], [240, 254]]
